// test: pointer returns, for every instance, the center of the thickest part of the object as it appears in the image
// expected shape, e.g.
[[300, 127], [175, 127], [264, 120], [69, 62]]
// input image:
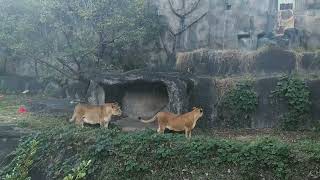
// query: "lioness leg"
[[79, 121], [73, 117], [102, 124], [161, 129], [189, 133], [106, 124]]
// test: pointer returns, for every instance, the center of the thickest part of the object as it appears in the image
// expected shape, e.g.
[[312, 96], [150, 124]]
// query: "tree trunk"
[[4, 68]]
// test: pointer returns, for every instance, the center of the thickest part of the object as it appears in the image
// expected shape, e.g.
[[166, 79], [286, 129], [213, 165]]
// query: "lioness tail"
[[148, 121]]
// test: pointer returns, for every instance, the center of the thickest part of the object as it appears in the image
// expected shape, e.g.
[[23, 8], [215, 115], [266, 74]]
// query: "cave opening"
[[138, 98]]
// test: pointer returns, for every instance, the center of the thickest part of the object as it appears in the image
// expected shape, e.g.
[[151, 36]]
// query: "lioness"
[[95, 114], [184, 122]]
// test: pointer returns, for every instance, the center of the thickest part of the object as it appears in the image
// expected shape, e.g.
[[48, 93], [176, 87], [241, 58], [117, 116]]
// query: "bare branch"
[[183, 15], [171, 30], [113, 40], [192, 9], [164, 46], [174, 11], [187, 27], [56, 69], [73, 55], [61, 61]]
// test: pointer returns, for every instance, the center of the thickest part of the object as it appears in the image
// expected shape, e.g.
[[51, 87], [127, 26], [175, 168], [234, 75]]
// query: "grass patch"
[[59, 150]]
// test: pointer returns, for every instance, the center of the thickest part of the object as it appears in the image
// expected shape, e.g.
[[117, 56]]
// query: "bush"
[[237, 106], [65, 152], [297, 94]]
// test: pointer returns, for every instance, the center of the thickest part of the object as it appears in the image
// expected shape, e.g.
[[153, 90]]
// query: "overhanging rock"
[[142, 93]]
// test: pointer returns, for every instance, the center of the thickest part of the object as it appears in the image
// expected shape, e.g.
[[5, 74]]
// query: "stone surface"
[[275, 60], [9, 140], [55, 90], [238, 24], [76, 90], [315, 98], [51, 105], [310, 61], [142, 93], [18, 84], [269, 110], [264, 62]]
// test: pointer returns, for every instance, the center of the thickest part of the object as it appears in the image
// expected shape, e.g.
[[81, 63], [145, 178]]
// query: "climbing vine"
[[237, 106], [23, 161], [297, 94], [79, 172]]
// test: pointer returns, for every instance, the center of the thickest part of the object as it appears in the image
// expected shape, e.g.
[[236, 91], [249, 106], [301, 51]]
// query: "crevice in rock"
[[138, 98]]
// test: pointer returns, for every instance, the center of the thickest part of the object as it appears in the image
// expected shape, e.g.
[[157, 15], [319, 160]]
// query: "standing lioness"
[[95, 114], [184, 122]]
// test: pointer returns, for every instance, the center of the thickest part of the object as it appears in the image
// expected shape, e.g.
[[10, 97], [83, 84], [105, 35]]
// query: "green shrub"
[[21, 164], [148, 155], [79, 172], [238, 105], [297, 94]]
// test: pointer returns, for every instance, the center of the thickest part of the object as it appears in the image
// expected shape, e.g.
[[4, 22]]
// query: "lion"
[[184, 122], [95, 114]]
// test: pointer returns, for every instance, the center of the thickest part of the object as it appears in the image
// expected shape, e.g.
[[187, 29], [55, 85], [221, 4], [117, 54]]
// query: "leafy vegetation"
[[297, 94], [59, 150], [237, 106], [23, 161], [79, 172], [64, 152], [71, 38]]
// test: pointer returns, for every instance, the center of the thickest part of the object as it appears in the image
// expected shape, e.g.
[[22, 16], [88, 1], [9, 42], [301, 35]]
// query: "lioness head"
[[198, 111], [115, 109]]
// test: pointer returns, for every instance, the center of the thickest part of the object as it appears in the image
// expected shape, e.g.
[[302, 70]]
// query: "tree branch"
[[192, 9], [56, 69], [61, 61], [187, 27], [73, 55], [112, 40], [164, 46], [174, 11], [183, 14]]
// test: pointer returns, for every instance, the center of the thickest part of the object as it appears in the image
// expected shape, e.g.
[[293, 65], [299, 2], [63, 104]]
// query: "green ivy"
[[23, 161], [147, 155], [79, 172], [238, 105], [297, 94]]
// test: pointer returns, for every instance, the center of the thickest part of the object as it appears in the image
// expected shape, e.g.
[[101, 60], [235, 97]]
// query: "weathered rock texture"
[[239, 24], [265, 61], [18, 84], [142, 93], [204, 77]]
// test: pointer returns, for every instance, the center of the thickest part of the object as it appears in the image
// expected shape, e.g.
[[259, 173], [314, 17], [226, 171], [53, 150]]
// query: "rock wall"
[[145, 93], [264, 62], [142, 93], [238, 24], [18, 84]]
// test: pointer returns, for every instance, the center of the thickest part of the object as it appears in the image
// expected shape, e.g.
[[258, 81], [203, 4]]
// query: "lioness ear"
[[194, 108]]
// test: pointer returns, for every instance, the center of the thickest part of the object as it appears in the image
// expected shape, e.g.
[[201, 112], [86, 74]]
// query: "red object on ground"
[[22, 109]]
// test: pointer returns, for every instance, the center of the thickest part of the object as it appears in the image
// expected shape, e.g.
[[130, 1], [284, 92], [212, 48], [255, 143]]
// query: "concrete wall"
[[239, 26]]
